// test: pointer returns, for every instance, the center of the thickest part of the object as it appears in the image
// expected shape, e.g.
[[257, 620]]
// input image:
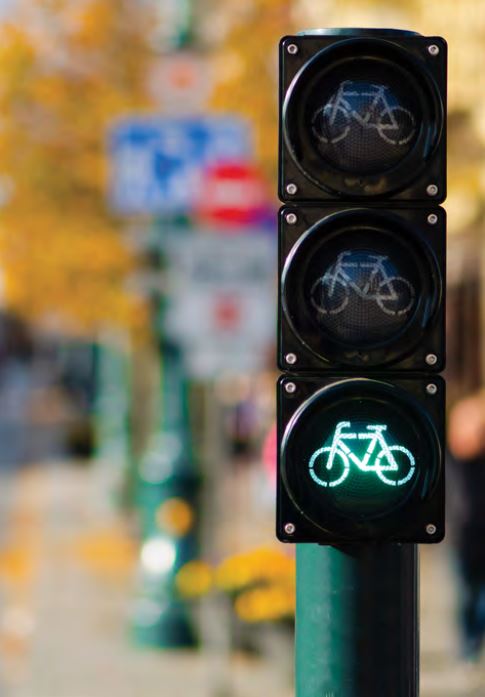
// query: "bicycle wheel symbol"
[[396, 125], [400, 465], [326, 473], [330, 124], [392, 293], [329, 296]]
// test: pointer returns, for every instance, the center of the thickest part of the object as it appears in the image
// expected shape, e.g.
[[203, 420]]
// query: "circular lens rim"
[[380, 353], [367, 526], [396, 179]]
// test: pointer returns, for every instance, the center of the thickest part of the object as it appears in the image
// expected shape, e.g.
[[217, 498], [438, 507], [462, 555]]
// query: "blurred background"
[[138, 155]]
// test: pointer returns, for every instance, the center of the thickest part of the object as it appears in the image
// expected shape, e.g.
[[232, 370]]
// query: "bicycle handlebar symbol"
[[332, 122], [330, 293], [337, 457]]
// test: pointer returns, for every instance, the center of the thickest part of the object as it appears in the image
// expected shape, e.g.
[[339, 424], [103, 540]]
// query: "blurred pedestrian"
[[466, 439]]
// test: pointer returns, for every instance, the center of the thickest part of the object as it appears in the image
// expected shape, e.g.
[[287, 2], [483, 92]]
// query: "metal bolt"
[[431, 388], [292, 48], [431, 359], [431, 529], [290, 387], [291, 189], [432, 218], [291, 358], [291, 218], [290, 528], [432, 190], [433, 49]]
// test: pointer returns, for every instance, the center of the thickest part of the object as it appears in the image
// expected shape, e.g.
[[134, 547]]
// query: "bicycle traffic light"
[[360, 459], [362, 116], [361, 287]]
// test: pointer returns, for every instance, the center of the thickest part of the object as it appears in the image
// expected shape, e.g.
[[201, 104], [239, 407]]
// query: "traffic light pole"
[[357, 621], [361, 343]]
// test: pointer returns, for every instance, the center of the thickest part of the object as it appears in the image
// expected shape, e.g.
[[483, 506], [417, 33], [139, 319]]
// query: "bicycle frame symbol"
[[338, 456], [330, 293], [332, 122]]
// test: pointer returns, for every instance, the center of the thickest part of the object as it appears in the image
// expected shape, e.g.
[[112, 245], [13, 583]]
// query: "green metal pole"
[[357, 621], [167, 473]]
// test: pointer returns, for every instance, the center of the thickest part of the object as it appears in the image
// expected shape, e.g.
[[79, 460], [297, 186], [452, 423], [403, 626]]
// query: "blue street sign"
[[156, 163]]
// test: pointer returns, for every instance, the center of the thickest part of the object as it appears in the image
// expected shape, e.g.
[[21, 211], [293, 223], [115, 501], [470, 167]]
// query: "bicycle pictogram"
[[330, 293], [336, 458], [332, 122]]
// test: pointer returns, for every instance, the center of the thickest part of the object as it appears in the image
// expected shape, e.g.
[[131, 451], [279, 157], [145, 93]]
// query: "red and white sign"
[[232, 194]]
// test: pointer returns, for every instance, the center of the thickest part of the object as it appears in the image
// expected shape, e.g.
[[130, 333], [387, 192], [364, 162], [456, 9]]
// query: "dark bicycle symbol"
[[332, 122], [330, 293]]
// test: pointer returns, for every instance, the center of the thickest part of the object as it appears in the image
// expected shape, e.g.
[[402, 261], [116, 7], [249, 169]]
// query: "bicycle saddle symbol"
[[370, 107], [334, 460]]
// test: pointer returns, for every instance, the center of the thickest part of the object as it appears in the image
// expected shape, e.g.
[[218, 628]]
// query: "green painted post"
[[167, 474], [357, 621]]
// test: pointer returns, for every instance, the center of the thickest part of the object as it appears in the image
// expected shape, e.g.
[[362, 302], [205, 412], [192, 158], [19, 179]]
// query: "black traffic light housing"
[[362, 169], [329, 97], [361, 288], [341, 498]]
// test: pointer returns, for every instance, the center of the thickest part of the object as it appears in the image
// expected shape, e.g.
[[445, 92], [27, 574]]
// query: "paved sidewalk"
[[67, 570], [66, 600]]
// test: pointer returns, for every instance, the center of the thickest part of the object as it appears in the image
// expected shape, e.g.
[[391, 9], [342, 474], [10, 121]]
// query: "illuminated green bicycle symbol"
[[338, 456]]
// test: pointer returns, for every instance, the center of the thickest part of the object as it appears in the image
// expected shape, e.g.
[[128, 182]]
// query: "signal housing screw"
[[431, 388], [292, 49], [290, 387], [432, 218], [291, 358], [291, 218], [432, 190], [291, 189], [431, 359], [290, 529], [433, 49], [431, 529]]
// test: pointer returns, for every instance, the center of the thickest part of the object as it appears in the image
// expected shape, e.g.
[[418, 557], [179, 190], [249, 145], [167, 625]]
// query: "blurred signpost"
[[216, 314], [157, 163]]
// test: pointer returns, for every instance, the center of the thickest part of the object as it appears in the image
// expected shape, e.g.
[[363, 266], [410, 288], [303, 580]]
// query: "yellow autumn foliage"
[[68, 69], [261, 582], [194, 579], [263, 564], [266, 603], [246, 69]]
